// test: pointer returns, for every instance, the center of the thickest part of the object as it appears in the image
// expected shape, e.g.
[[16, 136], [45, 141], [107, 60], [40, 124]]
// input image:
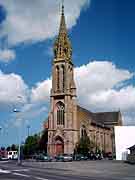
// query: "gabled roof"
[[132, 147], [106, 117], [101, 118]]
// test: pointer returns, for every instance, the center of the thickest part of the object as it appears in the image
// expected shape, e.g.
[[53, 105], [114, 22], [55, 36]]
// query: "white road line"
[[23, 175], [20, 170], [39, 178], [5, 171]]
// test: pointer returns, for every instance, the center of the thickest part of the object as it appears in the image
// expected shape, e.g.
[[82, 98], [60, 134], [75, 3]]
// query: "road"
[[10, 170], [87, 170]]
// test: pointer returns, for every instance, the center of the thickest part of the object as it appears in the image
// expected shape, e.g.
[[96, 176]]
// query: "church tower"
[[62, 130]]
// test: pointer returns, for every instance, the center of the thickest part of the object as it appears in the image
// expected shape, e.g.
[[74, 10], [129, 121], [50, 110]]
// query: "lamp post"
[[19, 144]]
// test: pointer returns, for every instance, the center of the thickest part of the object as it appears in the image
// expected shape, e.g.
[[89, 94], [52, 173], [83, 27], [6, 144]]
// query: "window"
[[60, 114], [57, 78], [63, 78], [83, 132]]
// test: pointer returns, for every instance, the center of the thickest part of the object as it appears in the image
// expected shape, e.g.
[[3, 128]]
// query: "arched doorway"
[[59, 145]]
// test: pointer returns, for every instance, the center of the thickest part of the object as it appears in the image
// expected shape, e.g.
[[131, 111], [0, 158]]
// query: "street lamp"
[[19, 148], [19, 145]]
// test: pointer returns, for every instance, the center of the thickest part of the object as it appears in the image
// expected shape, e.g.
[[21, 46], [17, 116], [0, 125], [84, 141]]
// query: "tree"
[[31, 145], [8, 148], [14, 147], [43, 141], [84, 145]]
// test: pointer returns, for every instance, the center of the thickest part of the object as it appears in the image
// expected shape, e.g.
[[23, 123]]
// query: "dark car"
[[59, 158], [79, 157], [92, 156], [42, 157]]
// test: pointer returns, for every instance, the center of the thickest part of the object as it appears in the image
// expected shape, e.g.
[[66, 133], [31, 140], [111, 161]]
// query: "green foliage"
[[34, 144], [31, 145], [84, 145], [13, 147], [43, 141]]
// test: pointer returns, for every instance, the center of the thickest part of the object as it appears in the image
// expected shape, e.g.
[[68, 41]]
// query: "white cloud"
[[96, 82], [99, 75], [7, 55], [40, 93], [12, 87], [37, 20], [96, 88]]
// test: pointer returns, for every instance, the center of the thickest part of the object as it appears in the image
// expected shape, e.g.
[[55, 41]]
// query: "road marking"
[[39, 178], [4, 171], [20, 170], [23, 175]]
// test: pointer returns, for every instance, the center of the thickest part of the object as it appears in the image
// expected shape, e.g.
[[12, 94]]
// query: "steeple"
[[62, 45]]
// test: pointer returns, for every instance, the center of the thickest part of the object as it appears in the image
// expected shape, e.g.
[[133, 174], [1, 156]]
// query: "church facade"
[[67, 121]]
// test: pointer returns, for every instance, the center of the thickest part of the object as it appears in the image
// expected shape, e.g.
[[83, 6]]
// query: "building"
[[132, 150], [124, 138], [67, 121]]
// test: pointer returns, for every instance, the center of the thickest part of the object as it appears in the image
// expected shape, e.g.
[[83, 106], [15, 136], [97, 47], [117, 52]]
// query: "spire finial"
[[62, 7]]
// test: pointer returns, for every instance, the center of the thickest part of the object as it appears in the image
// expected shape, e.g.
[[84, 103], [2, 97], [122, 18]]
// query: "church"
[[67, 121]]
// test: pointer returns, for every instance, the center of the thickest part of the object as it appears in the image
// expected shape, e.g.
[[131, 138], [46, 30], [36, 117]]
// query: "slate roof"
[[106, 117], [101, 118]]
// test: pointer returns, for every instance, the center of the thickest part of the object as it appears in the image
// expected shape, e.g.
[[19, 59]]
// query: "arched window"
[[60, 113], [83, 131], [57, 78], [63, 78]]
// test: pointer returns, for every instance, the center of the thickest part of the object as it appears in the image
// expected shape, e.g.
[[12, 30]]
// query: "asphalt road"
[[11, 171], [66, 171]]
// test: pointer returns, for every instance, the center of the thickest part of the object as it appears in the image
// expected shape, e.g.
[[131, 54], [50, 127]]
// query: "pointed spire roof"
[[62, 28], [62, 46]]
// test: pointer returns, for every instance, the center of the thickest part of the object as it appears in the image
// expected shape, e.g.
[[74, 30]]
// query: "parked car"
[[92, 156], [42, 157], [3, 159], [109, 156], [79, 157], [64, 158], [59, 158], [67, 157]]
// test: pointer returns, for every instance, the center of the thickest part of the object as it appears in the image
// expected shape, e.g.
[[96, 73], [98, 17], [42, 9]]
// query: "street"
[[87, 170], [10, 170]]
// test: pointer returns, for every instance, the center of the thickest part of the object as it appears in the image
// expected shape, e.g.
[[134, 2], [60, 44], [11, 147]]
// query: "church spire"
[[62, 46], [62, 28]]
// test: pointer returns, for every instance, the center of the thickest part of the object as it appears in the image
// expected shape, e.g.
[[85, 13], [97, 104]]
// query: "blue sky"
[[102, 36]]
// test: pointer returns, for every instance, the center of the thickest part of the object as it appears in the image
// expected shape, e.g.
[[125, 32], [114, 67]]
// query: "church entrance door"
[[59, 146]]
